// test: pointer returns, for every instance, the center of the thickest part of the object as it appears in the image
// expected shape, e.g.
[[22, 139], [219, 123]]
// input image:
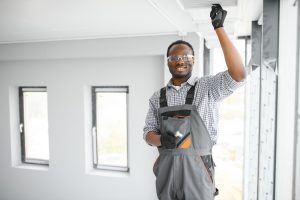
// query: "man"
[[182, 119]]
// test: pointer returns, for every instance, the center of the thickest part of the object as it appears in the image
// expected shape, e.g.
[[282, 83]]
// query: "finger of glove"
[[165, 139], [214, 9], [224, 13], [214, 12], [168, 142], [171, 138], [220, 16], [170, 134], [217, 22], [216, 5], [219, 19]]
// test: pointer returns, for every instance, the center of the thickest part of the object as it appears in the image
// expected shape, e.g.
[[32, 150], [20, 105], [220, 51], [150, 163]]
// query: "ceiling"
[[50, 20]]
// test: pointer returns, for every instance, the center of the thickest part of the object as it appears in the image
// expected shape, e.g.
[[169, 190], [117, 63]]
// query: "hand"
[[168, 140], [217, 15]]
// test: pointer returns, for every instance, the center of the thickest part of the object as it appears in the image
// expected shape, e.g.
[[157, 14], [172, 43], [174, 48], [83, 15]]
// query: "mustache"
[[183, 65]]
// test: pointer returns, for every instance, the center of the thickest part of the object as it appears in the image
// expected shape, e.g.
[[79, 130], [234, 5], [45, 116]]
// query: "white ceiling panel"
[[187, 4], [32, 20], [46, 20]]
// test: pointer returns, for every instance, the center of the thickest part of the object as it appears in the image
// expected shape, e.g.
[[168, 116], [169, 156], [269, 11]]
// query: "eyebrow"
[[186, 54]]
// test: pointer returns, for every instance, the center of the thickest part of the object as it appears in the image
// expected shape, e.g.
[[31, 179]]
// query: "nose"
[[180, 60]]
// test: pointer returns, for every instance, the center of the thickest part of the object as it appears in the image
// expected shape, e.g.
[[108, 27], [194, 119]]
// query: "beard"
[[179, 75], [182, 76]]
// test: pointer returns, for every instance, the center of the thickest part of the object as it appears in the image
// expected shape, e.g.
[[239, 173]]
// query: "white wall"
[[286, 100], [68, 69]]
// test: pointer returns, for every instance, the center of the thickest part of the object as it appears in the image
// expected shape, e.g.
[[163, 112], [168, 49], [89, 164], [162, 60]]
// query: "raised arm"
[[232, 57]]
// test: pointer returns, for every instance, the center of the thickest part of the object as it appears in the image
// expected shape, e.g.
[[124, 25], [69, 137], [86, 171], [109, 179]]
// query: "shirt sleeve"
[[151, 122], [222, 85]]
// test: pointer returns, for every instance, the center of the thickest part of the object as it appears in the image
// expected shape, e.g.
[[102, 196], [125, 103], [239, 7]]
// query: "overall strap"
[[190, 95], [163, 98]]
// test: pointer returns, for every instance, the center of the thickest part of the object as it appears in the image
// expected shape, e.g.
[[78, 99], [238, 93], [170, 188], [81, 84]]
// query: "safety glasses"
[[184, 58]]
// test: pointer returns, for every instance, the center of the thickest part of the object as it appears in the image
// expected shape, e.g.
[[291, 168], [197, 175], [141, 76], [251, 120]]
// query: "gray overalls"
[[186, 172]]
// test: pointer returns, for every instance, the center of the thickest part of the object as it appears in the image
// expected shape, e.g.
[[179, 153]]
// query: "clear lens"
[[36, 125], [112, 128], [184, 58]]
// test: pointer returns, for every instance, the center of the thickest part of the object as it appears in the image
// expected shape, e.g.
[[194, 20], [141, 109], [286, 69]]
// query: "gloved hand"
[[217, 15], [168, 140]]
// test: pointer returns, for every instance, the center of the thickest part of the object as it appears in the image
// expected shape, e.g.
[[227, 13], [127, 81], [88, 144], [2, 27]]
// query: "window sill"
[[108, 173], [32, 167]]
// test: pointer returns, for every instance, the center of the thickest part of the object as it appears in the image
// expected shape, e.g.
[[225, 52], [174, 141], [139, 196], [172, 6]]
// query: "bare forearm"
[[232, 57], [153, 138]]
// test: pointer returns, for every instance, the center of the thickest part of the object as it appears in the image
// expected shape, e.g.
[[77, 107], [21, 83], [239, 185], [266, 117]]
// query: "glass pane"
[[229, 151], [36, 125], [112, 128]]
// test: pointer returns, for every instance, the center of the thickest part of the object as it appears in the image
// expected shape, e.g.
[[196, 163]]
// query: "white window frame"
[[116, 89], [24, 159]]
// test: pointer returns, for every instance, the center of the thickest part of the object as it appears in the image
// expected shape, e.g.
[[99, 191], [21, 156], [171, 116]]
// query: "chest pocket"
[[178, 123]]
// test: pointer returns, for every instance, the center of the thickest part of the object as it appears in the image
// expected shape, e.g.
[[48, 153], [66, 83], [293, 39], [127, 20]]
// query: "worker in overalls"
[[183, 116]]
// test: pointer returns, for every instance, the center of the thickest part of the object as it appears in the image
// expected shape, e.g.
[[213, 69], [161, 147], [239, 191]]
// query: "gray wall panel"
[[268, 109]]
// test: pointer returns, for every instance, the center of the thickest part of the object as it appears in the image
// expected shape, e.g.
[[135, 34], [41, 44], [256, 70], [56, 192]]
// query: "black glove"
[[217, 15], [168, 140]]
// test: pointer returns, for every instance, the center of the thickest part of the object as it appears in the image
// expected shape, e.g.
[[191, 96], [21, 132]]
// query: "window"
[[34, 125], [229, 151], [110, 149]]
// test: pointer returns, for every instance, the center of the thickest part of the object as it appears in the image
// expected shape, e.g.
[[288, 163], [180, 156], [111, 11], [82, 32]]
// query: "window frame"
[[110, 89], [296, 160], [23, 89]]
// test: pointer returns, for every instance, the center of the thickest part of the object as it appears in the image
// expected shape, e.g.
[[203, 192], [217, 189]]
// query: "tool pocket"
[[179, 124], [209, 166]]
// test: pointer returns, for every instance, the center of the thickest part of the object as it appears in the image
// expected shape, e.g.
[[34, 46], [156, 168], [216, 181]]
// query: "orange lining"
[[182, 116], [186, 144]]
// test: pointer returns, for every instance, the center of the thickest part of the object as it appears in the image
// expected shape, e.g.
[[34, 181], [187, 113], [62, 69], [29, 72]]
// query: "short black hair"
[[180, 42]]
